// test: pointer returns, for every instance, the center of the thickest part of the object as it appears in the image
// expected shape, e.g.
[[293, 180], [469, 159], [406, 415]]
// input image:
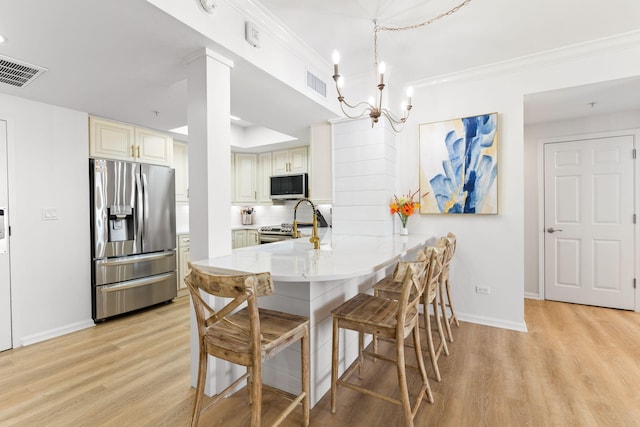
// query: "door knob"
[[553, 230]]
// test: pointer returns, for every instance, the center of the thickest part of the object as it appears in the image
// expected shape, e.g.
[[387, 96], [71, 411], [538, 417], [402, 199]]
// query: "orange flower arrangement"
[[405, 206]]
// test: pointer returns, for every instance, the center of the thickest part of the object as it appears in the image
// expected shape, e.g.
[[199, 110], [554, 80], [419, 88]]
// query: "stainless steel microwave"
[[289, 186]]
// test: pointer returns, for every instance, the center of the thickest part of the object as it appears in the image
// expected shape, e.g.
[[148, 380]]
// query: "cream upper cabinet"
[[153, 147], [286, 162], [251, 173], [120, 141], [111, 140], [264, 177], [181, 165], [245, 173]]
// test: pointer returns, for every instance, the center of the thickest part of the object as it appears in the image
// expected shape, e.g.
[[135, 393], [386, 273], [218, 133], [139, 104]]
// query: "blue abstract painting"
[[459, 165]]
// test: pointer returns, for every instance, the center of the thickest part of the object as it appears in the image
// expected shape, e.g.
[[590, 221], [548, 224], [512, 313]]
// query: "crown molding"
[[617, 42]]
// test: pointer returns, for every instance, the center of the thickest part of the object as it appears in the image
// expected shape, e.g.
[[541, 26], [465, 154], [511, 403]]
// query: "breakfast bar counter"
[[311, 283]]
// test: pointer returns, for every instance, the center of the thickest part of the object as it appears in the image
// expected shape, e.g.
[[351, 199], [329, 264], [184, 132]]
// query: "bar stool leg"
[[334, 365], [453, 312], [256, 395], [423, 370], [442, 289], [402, 382], [361, 354], [443, 338], [304, 343], [202, 370], [432, 349]]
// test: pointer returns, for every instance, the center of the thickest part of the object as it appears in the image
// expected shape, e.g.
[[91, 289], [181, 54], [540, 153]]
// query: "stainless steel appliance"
[[133, 228], [275, 233], [285, 187]]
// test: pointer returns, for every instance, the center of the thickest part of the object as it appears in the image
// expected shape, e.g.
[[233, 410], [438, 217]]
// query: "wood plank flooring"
[[577, 366]]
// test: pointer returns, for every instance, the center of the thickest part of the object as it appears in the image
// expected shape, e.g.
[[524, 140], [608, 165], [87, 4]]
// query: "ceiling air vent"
[[316, 84], [17, 73]]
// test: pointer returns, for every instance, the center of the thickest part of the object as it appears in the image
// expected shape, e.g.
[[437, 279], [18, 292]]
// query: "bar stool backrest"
[[242, 288]]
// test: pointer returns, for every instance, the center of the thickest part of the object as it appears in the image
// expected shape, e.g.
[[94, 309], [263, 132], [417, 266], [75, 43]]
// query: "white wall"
[[533, 134], [50, 260], [491, 248]]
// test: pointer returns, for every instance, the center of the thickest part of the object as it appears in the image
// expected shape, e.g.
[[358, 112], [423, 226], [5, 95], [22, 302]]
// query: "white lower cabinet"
[[243, 238], [252, 238], [183, 260]]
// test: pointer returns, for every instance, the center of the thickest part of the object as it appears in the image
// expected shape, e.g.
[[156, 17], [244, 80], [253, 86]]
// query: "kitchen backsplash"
[[263, 214], [277, 214]]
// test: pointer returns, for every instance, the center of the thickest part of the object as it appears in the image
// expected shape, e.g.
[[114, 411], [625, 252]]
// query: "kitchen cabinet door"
[[181, 165], [298, 160], [184, 255], [252, 238], [153, 147], [121, 141], [111, 140], [280, 162], [287, 162], [238, 239], [245, 177], [264, 177]]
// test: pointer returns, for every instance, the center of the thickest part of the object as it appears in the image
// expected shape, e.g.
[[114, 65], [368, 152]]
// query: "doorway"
[[589, 221], [5, 277]]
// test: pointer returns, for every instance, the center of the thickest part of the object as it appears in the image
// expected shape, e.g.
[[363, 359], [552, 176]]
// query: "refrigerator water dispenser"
[[120, 223]]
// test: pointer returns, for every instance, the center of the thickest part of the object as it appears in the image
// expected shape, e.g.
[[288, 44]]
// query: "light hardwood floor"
[[577, 366]]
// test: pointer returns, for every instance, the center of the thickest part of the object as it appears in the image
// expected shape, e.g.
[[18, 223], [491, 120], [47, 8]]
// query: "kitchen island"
[[311, 283]]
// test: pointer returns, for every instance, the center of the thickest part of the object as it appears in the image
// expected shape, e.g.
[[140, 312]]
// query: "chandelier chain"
[[378, 28]]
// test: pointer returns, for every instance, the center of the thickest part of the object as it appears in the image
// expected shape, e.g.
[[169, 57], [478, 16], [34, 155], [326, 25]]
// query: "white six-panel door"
[[589, 222], [5, 287]]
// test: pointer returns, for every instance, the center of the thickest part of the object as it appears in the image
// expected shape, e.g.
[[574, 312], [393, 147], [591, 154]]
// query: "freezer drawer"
[[123, 297], [114, 270]]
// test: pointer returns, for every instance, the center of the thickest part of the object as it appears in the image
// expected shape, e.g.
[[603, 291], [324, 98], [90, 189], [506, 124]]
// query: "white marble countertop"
[[339, 257]]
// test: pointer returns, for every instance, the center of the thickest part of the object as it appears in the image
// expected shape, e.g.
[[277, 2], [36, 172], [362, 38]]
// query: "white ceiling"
[[124, 59]]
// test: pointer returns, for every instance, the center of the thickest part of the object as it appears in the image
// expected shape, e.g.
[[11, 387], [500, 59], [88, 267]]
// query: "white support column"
[[364, 177], [209, 88]]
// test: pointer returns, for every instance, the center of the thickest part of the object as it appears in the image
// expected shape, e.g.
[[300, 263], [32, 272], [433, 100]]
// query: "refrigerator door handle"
[[145, 208], [136, 283], [132, 259], [139, 209]]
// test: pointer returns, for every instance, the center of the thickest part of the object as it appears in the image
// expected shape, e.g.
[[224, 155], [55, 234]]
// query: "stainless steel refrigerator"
[[133, 228]]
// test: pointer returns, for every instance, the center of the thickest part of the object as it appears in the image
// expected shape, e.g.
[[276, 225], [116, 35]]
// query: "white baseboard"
[[532, 295], [53, 333], [491, 321]]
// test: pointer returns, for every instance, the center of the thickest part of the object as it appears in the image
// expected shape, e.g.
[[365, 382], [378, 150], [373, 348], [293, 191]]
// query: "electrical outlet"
[[483, 290]]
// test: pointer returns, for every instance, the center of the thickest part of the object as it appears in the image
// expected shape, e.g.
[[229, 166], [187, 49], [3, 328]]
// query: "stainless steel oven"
[[275, 233]]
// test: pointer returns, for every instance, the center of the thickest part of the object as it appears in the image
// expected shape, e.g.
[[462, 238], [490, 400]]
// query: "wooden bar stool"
[[445, 289], [390, 289], [245, 337], [389, 319]]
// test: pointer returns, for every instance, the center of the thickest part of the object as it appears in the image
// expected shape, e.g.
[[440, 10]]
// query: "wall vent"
[[17, 73], [316, 84]]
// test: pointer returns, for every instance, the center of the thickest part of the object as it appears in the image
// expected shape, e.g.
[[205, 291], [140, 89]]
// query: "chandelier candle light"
[[374, 107]]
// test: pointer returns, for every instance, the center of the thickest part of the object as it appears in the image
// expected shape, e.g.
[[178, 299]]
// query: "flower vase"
[[404, 231]]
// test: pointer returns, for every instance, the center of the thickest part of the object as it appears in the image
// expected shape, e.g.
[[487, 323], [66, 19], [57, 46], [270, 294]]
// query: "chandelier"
[[373, 107]]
